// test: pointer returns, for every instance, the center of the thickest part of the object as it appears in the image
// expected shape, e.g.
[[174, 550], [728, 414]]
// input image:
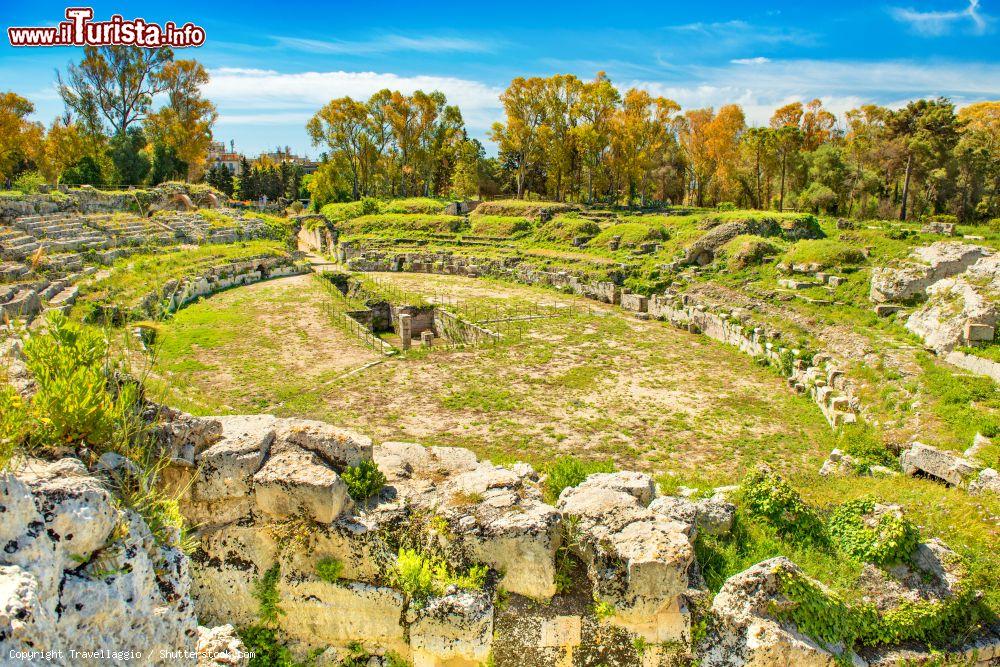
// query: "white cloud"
[[840, 85], [388, 44], [935, 23], [759, 60], [246, 96]]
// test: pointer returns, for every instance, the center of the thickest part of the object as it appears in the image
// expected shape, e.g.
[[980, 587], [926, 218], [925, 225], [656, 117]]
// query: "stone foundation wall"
[[974, 364]]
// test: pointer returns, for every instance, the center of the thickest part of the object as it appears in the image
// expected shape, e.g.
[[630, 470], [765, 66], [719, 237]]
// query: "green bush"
[[29, 182], [817, 198], [75, 403], [944, 217], [267, 647], [725, 206], [500, 226], [15, 424], [363, 480], [421, 576], [569, 471], [864, 444], [766, 495], [892, 540], [329, 569]]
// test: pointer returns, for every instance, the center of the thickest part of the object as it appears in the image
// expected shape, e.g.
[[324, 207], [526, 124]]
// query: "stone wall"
[[975, 364]]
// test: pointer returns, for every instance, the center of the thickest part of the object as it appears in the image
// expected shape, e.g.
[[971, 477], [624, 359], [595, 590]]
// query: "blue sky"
[[273, 64]]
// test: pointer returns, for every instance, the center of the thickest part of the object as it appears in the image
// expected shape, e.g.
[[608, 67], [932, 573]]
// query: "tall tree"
[[926, 131], [185, 122], [19, 137], [113, 85], [519, 137], [341, 125]]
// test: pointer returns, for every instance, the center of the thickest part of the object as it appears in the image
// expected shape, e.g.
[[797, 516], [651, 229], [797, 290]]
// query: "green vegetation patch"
[[567, 471], [425, 205], [363, 480], [823, 253], [889, 539], [748, 250], [567, 228], [422, 576], [629, 235], [524, 208], [403, 222], [500, 226]]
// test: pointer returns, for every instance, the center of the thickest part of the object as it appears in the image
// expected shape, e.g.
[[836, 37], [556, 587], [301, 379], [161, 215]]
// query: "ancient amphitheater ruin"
[[733, 439]]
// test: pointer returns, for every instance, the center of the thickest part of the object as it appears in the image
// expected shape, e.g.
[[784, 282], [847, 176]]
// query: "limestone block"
[[295, 480], [638, 485], [946, 466], [226, 469], [339, 447], [636, 303], [320, 613], [452, 627], [221, 647], [988, 481], [637, 560]]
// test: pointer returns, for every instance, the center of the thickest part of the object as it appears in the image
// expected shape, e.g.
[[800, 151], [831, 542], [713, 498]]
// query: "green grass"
[[133, 277], [629, 234], [425, 205], [566, 228], [824, 253], [499, 226], [408, 222]]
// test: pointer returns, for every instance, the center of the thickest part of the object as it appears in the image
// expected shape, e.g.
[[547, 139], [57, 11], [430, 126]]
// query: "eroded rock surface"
[[925, 266]]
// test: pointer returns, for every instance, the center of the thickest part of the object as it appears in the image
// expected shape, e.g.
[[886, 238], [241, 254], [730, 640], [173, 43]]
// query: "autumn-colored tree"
[[19, 137], [712, 144], [594, 110], [818, 126], [519, 137], [978, 155], [184, 124], [341, 125], [64, 146]]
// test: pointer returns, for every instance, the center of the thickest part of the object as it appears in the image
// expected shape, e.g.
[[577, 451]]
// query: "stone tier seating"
[[63, 232], [132, 230], [15, 244]]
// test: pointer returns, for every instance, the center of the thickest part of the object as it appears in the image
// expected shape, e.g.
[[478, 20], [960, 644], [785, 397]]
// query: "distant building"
[[285, 155], [230, 159]]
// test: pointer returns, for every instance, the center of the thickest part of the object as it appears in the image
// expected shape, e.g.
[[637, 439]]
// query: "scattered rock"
[[945, 466]]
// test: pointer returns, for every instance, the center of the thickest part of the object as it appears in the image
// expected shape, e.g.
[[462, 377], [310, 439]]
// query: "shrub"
[[15, 424], [725, 206], [766, 495], [267, 647], [944, 217], [566, 228], [864, 444], [341, 211], [570, 471], [994, 224], [29, 182], [363, 480], [74, 403], [631, 234], [499, 225], [329, 569], [891, 540], [421, 576]]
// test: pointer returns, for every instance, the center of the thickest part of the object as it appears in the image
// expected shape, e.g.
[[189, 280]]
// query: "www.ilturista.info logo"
[[79, 30]]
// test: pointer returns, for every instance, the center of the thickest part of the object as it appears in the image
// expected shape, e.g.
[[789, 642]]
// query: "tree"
[[788, 140], [978, 154], [185, 122], [220, 178], [19, 137], [166, 166], [465, 177], [926, 131], [518, 137], [131, 164], [758, 144], [64, 146], [595, 108], [342, 124], [113, 85]]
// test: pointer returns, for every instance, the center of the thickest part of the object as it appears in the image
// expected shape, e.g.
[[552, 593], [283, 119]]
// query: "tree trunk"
[[781, 196], [906, 187]]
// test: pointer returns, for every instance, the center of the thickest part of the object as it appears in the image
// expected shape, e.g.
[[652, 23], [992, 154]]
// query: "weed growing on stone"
[[329, 569], [363, 481], [569, 471]]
